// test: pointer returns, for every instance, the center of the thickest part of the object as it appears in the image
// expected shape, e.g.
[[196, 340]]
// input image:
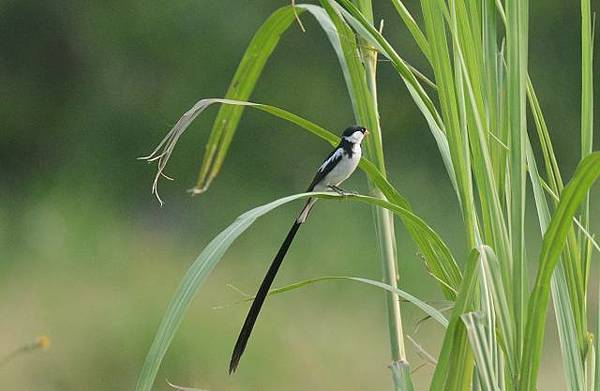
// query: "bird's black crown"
[[348, 132]]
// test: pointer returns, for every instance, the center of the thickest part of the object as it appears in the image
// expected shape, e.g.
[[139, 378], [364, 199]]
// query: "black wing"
[[331, 161]]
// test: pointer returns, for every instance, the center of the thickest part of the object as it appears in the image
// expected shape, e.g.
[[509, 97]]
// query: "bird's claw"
[[341, 191]]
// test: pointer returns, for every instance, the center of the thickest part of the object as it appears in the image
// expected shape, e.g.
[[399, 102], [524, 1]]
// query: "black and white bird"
[[336, 168]]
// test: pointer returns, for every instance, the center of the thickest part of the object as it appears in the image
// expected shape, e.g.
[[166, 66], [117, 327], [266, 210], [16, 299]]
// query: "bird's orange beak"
[[366, 132]]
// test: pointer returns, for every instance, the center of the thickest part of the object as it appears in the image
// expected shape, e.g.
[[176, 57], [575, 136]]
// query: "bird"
[[336, 168]]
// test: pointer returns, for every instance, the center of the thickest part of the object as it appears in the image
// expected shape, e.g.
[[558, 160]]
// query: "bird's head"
[[355, 134]]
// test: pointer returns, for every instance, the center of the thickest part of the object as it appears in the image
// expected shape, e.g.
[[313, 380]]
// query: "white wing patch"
[[336, 155]]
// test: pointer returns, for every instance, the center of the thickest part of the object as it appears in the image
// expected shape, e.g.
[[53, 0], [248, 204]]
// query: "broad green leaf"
[[587, 172]]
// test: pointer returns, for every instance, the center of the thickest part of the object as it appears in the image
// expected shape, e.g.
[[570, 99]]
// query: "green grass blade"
[[586, 173], [572, 270], [439, 259], [481, 350], [565, 319], [193, 279], [365, 30], [587, 115], [455, 363], [360, 63], [494, 227], [426, 308], [212, 254], [413, 27], [435, 13], [244, 80], [516, 43], [587, 80], [501, 303]]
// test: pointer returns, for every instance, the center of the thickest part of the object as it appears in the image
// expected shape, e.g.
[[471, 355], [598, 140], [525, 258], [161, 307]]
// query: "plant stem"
[[384, 221]]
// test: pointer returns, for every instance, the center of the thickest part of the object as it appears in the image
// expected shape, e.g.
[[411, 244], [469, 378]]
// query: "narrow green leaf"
[[587, 172], [212, 254], [481, 350], [587, 116], [360, 64], [517, 44], [193, 279], [455, 362], [426, 308], [501, 304], [565, 319], [412, 26], [244, 80], [439, 259]]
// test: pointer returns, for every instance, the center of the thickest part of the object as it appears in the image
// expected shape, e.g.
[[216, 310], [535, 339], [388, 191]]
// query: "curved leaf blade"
[[586, 174], [422, 305], [244, 80], [191, 282], [455, 363], [210, 257], [439, 259]]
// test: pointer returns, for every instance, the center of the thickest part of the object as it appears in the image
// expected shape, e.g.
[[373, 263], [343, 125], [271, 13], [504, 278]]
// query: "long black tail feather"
[[261, 295]]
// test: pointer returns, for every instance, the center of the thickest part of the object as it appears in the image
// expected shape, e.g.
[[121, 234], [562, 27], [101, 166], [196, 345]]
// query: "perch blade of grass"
[[210, 257], [191, 282], [516, 43], [439, 258]]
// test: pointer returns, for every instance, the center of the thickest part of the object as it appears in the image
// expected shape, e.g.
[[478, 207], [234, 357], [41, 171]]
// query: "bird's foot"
[[341, 191]]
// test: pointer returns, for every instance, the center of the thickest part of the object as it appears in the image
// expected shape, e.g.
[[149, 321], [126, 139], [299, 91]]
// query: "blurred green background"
[[89, 258]]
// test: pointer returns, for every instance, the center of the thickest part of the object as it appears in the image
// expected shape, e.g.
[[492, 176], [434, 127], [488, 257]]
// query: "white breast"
[[342, 170]]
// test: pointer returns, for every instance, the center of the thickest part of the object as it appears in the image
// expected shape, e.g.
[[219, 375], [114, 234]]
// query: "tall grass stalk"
[[384, 220], [476, 107]]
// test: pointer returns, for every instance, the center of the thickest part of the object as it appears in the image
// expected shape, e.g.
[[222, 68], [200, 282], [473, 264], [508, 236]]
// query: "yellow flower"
[[43, 342]]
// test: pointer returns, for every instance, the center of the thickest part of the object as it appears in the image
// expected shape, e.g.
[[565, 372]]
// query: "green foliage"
[[478, 118]]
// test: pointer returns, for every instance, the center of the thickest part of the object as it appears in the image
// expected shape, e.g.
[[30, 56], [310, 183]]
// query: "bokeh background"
[[89, 258]]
